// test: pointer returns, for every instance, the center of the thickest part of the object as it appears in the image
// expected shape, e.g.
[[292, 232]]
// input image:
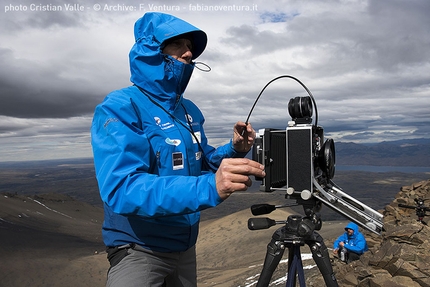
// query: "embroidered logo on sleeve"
[[110, 120]]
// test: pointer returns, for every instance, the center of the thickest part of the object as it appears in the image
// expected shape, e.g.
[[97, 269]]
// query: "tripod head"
[[419, 207], [295, 225]]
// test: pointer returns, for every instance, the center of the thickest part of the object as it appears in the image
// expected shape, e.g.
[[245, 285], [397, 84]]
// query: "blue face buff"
[[181, 70]]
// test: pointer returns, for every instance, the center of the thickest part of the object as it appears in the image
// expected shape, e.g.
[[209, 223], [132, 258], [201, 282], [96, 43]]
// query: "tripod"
[[420, 209], [296, 232]]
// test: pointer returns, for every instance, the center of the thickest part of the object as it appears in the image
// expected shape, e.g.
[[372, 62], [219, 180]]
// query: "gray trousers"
[[145, 268]]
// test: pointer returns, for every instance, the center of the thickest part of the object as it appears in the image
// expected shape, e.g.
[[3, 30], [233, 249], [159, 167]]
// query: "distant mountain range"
[[412, 152], [408, 152]]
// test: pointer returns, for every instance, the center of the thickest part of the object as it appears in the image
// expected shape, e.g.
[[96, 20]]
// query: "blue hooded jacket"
[[355, 243], [154, 167]]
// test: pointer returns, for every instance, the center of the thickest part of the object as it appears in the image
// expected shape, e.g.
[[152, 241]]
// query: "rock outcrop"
[[400, 257]]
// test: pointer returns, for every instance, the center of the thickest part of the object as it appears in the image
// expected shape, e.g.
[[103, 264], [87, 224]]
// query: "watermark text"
[[145, 7]]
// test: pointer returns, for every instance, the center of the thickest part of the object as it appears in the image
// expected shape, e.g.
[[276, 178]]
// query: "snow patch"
[[50, 209]]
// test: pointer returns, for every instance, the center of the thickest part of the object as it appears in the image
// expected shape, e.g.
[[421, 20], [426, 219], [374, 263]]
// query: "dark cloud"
[[33, 90], [387, 35]]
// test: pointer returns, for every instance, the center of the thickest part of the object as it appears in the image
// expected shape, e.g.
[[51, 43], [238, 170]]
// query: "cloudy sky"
[[367, 63]]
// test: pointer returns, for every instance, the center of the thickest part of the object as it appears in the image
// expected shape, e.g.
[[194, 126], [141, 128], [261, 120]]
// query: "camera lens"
[[327, 158], [300, 107]]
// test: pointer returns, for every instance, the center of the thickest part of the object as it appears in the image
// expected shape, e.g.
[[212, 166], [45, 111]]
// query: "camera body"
[[294, 157]]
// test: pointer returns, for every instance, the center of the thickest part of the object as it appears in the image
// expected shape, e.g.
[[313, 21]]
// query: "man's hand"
[[335, 251], [233, 175], [243, 137]]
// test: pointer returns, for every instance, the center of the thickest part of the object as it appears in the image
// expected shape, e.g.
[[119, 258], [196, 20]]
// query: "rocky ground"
[[400, 257], [54, 240]]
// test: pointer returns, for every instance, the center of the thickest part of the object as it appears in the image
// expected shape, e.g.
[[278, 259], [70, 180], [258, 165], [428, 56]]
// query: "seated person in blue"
[[351, 244]]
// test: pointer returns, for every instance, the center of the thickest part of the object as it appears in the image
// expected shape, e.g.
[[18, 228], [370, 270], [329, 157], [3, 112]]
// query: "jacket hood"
[[160, 75], [352, 226]]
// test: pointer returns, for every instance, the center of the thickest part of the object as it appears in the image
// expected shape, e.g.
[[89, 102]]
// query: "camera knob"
[[306, 194]]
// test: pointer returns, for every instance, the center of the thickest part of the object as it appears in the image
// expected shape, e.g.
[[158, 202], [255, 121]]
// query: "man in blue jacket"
[[351, 244], [154, 166]]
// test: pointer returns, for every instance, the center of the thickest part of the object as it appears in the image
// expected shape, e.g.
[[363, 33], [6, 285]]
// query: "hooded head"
[[352, 226], [159, 74]]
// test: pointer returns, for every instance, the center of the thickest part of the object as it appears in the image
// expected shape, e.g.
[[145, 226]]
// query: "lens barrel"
[[300, 107]]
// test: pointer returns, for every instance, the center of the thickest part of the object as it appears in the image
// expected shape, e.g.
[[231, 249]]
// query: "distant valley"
[[393, 153]]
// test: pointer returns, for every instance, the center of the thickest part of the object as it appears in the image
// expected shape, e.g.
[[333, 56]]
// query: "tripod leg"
[[275, 250], [322, 259], [295, 267]]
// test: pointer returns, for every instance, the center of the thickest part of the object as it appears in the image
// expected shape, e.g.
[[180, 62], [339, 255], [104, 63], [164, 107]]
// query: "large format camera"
[[301, 162]]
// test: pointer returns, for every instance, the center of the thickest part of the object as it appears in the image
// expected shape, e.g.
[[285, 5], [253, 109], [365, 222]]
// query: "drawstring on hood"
[[160, 75]]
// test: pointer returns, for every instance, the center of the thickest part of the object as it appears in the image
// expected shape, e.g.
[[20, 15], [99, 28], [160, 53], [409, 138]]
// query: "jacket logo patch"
[[197, 137], [163, 126], [177, 160], [173, 142], [189, 118]]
